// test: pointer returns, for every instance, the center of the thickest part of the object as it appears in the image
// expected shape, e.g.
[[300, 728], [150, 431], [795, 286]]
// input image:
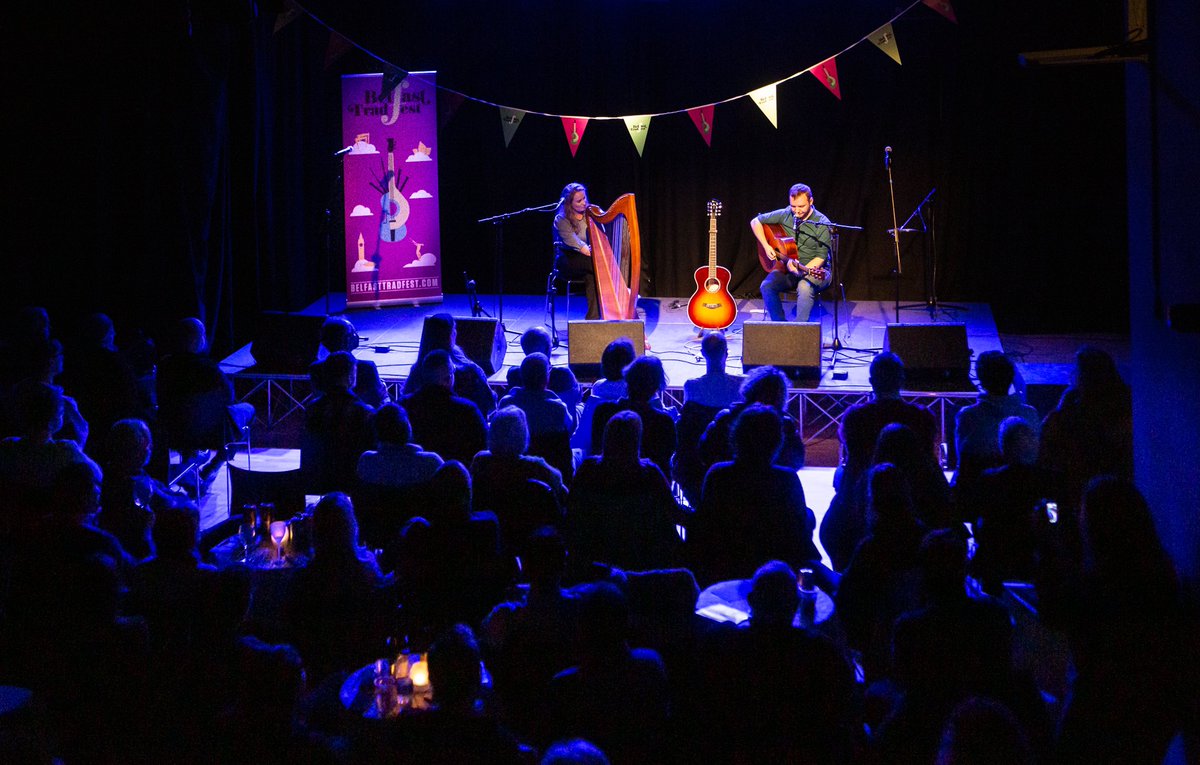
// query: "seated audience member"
[[616, 696], [751, 509], [398, 462], [172, 588], [1090, 432], [767, 386], [1119, 604], [900, 446], [983, 730], [797, 691], [545, 412], [23, 333], [452, 568], [977, 427], [562, 382], [194, 398], [530, 641], [338, 334], [616, 356], [470, 382], [645, 381], [257, 724], [30, 462], [882, 580], [1002, 505], [500, 478], [130, 498], [621, 511], [716, 387], [457, 728], [337, 429], [956, 646], [44, 363], [337, 608], [862, 423], [442, 421], [102, 380]]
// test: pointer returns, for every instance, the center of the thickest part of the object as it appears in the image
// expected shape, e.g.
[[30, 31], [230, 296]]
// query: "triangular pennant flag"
[[885, 39], [638, 128], [338, 46], [574, 127], [764, 98], [510, 120], [943, 7], [448, 103], [289, 14], [826, 72], [702, 118]]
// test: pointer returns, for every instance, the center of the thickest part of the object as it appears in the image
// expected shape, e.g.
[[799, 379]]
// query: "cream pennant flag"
[[702, 118], [638, 128], [764, 98], [885, 39], [826, 72], [574, 127], [510, 120], [943, 7]]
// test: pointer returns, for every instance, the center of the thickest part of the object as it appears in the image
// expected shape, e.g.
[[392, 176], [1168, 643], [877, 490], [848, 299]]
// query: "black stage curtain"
[[178, 157]]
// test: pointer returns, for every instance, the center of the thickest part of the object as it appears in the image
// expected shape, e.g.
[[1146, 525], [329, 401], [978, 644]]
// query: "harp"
[[616, 257]]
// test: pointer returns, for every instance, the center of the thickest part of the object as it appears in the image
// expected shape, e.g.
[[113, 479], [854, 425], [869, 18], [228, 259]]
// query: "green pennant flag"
[[510, 120]]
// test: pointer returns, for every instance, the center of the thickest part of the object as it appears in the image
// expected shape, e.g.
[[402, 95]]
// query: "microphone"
[[887, 156], [346, 150]]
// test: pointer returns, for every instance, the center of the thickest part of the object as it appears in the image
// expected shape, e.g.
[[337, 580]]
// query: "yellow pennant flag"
[[638, 128], [885, 39], [510, 120], [764, 99]]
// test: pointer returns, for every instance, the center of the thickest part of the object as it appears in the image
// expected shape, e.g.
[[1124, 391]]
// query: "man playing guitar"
[[796, 260]]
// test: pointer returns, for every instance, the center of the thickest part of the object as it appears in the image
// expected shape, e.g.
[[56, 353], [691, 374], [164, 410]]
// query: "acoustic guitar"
[[788, 258], [712, 307], [393, 204]]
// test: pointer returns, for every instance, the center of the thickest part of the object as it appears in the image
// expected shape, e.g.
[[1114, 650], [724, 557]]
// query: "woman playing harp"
[[603, 247]]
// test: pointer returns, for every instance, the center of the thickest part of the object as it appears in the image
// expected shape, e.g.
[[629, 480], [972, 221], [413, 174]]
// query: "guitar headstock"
[[714, 208]]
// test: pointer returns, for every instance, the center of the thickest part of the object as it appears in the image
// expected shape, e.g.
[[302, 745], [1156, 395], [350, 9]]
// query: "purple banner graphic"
[[393, 239]]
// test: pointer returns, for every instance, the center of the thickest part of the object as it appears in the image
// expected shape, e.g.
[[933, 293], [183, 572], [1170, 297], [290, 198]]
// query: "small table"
[[729, 602]]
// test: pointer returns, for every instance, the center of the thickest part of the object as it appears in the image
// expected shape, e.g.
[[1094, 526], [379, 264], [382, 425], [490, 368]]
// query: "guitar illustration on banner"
[[786, 258], [393, 205], [712, 307]]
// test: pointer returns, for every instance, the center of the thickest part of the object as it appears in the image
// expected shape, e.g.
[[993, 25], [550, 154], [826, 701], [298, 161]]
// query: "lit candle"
[[419, 672]]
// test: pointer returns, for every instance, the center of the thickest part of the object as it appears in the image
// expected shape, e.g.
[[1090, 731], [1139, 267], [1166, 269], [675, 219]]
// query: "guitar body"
[[712, 307], [777, 236]]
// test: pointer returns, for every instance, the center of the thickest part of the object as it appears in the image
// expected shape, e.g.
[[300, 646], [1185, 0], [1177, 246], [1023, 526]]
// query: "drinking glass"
[[248, 534], [278, 533]]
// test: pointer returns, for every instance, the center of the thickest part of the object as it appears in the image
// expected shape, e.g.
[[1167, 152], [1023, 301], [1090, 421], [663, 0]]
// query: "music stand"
[[931, 303]]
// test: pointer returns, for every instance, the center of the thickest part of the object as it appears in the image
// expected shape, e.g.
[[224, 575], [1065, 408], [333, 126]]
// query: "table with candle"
[[729, 602], [385, 688]]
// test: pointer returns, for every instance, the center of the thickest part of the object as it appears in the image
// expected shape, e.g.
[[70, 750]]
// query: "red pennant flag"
[[826, 72], [338, 47], [702, 118], [448, 103], [574, 127], [943, 7]]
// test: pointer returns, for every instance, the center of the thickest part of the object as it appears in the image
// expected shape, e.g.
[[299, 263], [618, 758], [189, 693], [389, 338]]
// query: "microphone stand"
[[473, 299], [327, 223], [498, 257], [931, 302], [835, 272], [895, 232]]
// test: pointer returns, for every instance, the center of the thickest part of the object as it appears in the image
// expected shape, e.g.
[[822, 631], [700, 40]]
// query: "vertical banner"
[[393, 240]]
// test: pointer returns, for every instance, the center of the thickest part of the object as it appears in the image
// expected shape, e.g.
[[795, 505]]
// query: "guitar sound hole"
[[712, 285]]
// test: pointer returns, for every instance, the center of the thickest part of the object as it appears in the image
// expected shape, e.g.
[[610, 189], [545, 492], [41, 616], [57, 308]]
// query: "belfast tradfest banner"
[[393, 239]]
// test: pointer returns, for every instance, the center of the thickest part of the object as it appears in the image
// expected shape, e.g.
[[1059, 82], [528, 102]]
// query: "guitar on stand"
[[711, 306]]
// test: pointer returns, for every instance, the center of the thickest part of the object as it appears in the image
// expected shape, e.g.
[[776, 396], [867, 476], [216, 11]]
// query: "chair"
[[282, 488], [207, 422], [550, 316]]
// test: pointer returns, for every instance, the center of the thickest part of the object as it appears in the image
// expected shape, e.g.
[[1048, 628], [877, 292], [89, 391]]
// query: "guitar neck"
[[712, 245]]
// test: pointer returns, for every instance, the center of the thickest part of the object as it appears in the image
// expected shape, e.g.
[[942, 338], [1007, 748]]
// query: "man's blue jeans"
[[778, 282]]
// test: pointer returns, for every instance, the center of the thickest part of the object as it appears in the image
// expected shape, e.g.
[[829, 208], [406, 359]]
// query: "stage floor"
[[391, 335]]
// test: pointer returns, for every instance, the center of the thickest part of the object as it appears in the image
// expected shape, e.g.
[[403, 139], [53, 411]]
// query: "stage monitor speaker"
[[482, 339], [586, 341], [793, 347], [286, 343], [933, 354]]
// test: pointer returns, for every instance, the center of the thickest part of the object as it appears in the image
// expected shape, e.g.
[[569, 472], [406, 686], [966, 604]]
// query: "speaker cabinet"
[[934, 354], [586, 341], [793, 347], [286, 343], [482, 339]]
